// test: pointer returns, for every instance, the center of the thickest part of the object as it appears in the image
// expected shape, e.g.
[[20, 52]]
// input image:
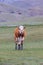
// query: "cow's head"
[[21, 29]]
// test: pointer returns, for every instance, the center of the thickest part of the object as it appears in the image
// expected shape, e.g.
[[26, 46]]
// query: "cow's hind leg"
[[15, 46], [19, 46]]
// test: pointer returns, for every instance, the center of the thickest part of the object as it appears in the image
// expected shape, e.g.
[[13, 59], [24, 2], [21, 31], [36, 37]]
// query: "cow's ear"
[[24, 27], [18, 27]]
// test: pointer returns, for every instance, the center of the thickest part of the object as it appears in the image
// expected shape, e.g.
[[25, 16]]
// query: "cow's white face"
[[21, 29]]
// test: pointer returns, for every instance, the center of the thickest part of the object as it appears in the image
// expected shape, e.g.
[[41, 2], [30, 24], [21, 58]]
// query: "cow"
[[19, 36]]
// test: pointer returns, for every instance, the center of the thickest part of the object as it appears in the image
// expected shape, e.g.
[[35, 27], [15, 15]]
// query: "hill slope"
[[21, 12]]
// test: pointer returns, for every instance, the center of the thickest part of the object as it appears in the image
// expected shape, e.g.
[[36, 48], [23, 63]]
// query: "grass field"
[[33, 47]]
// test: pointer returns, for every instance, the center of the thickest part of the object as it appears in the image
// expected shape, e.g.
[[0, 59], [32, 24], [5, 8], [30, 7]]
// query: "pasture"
[[33, 47]]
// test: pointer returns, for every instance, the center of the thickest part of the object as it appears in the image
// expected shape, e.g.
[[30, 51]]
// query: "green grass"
[[33, 47]]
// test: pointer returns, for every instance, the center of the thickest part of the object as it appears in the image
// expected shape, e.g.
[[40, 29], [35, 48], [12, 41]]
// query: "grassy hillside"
[[13, 15], [33, 47], [9, 19]]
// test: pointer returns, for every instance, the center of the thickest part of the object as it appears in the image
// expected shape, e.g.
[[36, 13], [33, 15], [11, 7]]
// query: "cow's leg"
[[15, 46], [19, 46], [22, 45]]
